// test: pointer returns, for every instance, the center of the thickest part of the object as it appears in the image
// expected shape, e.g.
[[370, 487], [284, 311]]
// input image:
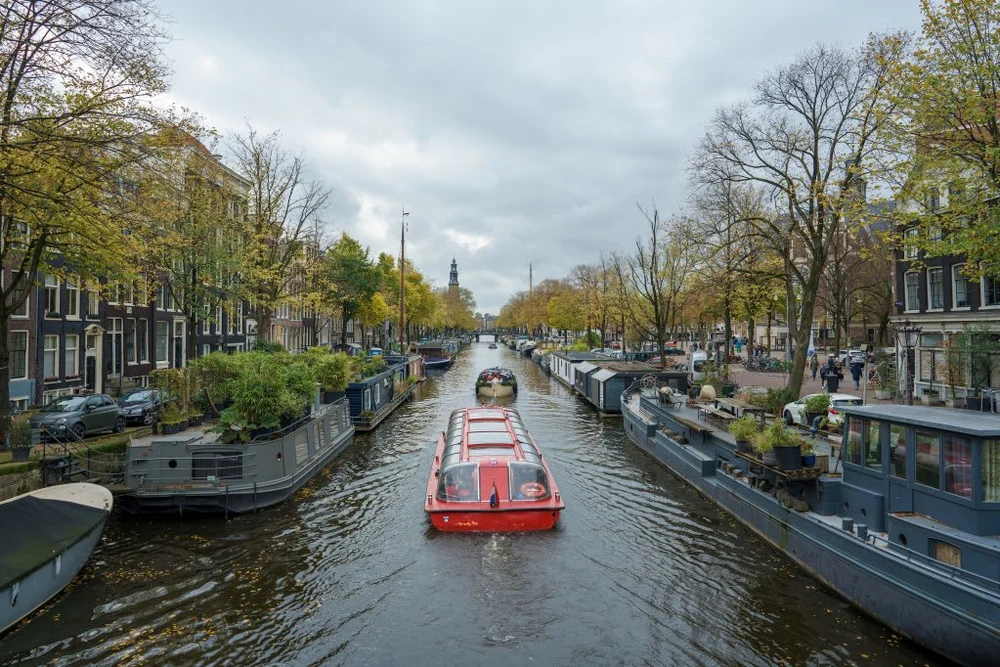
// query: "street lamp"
[[908, 335]]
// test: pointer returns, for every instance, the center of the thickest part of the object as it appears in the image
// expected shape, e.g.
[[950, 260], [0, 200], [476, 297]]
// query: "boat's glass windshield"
[[459, 483], [528, 481], [489, 414]]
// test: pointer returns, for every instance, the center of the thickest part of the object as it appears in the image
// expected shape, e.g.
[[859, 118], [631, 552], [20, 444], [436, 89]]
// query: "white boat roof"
[[81, 493], [585, 367], [603, 374]]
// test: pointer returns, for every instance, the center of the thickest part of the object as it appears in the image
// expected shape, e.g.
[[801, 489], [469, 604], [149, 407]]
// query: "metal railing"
[[162, 472], [81, 458], [940, 567]]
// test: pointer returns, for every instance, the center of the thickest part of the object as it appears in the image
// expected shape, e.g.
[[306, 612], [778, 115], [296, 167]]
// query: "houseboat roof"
[[981, 424], [579, 356]]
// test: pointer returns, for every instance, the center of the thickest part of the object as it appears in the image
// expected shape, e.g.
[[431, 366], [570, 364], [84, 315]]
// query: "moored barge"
[[908, 533], [488, 475]]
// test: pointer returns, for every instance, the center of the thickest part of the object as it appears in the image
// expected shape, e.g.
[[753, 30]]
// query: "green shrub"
[[744, 428], [268, 346], [817, 403], [778, 398]]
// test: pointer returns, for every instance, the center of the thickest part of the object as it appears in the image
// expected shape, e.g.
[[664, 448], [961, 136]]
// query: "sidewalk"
[[743, 378]]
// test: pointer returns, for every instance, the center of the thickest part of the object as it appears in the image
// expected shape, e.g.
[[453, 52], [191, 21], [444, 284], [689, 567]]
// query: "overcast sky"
[[511, 131]]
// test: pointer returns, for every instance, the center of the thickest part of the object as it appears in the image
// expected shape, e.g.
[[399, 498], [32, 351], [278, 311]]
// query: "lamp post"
[[402, 270], [908, 335]]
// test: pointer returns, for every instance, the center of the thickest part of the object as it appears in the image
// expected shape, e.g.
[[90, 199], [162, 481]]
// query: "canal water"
[[641, 570]]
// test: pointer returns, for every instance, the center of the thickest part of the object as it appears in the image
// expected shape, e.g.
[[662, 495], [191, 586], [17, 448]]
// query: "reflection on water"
[[640, 569]]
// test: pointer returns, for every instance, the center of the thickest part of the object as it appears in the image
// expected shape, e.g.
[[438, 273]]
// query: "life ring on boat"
[[532, 490]]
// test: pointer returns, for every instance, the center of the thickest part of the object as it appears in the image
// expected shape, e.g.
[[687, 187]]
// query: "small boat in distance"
[[48, 536], [493, 346], [488, 475], [496, 382]]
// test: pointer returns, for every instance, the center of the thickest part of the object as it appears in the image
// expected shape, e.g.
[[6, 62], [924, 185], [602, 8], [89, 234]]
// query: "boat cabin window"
[[459, 483], [452, 454], [491, 451], [490, 414], [897, 455], [991, 471], [873, 444], [528, 481], [928, 458], [220, 465], [958, 465], [852, 448], [491, 438]]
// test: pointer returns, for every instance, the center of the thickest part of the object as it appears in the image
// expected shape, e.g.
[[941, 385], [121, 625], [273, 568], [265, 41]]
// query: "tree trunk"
[[5, 376]]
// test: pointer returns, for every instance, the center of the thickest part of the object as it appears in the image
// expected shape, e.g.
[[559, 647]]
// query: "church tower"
[[453, 277]]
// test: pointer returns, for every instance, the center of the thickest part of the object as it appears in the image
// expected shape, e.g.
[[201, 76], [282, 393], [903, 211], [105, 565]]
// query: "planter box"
[[744, 446], [170, 428], [930, 399], [20, 454], [976, 403], [788, 458], [883, 394]]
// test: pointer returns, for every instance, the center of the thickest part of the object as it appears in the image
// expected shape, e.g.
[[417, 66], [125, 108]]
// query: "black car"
[[141, 405], [674, 352]]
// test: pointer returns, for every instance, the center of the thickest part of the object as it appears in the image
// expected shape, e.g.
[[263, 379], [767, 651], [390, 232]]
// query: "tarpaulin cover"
[[35, 530]]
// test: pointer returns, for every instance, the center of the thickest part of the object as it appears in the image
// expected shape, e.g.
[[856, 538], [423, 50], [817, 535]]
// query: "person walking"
[[856, 373], [814, 364]]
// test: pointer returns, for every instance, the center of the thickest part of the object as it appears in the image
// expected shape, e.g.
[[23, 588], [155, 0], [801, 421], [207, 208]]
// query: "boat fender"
[[532, 490]]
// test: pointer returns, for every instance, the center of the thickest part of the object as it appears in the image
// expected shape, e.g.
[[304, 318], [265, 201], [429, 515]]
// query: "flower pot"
[[744, 446], [809, 461], [170, 428], [769, 458], [930, 398], [788, 458], [883, 394], [20, 454], [183, 425]]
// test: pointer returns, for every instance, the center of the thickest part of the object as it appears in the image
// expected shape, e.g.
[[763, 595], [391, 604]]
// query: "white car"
[[794, 412]]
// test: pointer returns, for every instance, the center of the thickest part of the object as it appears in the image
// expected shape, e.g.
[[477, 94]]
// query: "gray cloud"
[[510, 130]]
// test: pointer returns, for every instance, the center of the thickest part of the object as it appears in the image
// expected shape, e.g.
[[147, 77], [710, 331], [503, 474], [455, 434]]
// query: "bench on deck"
[[720, 418], [692, 426]]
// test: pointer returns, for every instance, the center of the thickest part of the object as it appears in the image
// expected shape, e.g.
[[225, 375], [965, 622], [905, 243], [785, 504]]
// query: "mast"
[[531, 303], [402, 270]]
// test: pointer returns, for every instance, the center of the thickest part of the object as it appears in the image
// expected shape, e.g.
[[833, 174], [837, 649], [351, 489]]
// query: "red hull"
[[495, 521]]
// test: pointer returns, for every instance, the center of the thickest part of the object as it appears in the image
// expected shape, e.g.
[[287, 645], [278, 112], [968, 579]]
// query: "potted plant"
[[20, 440], [786, 447], [171, 419], [816, 406], [930, 396], [744, 429], [885, 380], [808, 455], [765, 448]]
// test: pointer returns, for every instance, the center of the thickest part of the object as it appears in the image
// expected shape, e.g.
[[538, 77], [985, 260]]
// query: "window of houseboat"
[[853, 445], [897, 455], [991, 471], [958, 465], [946, 553], [459, 483], [873, 445], [528, 481], [928, 458]]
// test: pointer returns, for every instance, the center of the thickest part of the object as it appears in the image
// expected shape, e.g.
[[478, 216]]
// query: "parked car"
[[674, 352], [794, 412], [73, 417], [141, 405]]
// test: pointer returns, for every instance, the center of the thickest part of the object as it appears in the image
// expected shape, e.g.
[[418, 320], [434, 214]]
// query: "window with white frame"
[[131, 341], [128, 294], [912, 235], [162, 341], [991, 291], [143, 336], [72, 355], [935, 288], [912, 291], [959, 287], [17, 344], [50, 357], [51, 294], [72, 299]]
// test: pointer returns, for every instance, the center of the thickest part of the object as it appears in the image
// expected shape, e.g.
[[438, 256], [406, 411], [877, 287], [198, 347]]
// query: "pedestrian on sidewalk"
[[856, 373], [814, 364]]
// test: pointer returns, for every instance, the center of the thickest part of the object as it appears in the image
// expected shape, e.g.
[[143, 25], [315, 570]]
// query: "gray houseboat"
[[601, 383], [374, 398], [196, 473], [908, 533]]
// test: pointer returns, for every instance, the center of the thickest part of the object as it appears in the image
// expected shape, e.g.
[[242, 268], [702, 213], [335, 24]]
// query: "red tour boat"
[[488, 475]]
